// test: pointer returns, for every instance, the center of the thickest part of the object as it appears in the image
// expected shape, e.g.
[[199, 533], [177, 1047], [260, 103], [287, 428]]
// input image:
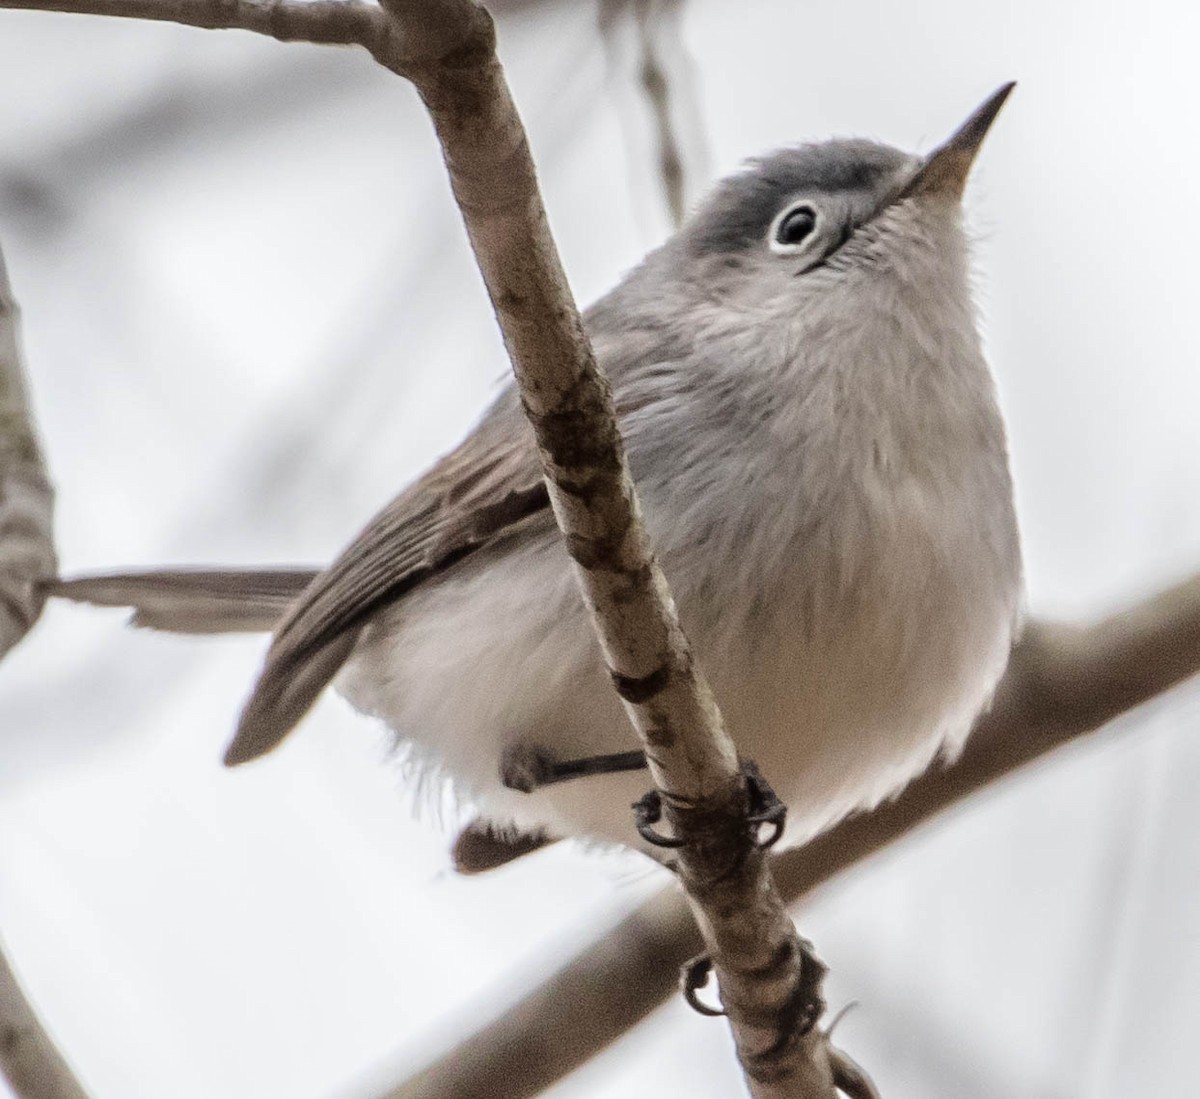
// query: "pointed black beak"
[[946, 169]]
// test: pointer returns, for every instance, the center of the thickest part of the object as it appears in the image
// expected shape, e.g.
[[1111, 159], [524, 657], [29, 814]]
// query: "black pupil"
[[796, 225]]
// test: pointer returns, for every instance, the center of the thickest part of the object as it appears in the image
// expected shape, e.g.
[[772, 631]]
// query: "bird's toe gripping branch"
[[798, 1016], [764, 809], [693, 976], [647, 812]]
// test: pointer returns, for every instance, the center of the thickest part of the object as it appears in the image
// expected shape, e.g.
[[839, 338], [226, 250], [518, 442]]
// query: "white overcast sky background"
[[251, 316]]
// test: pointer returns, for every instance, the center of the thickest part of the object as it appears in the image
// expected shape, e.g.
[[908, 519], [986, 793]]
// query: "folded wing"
[[478, 491]]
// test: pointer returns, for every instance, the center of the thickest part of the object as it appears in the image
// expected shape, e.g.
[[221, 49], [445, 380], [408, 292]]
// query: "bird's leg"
[[526, 769], [763, 807]]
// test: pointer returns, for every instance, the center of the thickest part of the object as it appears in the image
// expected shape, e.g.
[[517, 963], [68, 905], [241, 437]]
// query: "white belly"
[[842, 677]]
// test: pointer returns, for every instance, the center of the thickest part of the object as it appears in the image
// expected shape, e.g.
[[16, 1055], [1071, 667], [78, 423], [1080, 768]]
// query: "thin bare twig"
[[324, 22], [1062, 683]]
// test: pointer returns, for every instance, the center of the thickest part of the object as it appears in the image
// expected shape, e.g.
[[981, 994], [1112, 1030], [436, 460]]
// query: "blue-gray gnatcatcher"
[[822, 465]]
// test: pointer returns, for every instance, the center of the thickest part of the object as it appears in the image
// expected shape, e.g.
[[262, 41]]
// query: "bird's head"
[[796, 222]]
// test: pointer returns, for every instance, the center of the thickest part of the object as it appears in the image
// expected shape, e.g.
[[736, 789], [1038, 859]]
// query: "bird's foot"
[[806, 1005], [798, 1015], [526, 768], [692, 978], [763, 808], [647, 812]]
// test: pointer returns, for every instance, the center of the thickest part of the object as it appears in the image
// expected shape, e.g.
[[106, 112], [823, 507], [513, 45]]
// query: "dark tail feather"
[[193, 600], [285, 692]]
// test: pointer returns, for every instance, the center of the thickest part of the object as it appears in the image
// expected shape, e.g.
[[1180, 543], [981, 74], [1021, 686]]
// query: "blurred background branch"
[[26, 497], [29, 1059], [32, 1065], [656, 19], [644, 43]]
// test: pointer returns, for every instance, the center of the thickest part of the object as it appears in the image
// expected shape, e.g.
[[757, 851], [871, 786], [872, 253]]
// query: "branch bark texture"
[[1062, 683]]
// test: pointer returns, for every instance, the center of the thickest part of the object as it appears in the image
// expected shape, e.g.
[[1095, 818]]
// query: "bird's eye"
[[796, 226]]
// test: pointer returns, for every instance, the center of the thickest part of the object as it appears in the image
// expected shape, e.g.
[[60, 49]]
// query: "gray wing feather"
[[485, 487], [193, 600], [490, 482]]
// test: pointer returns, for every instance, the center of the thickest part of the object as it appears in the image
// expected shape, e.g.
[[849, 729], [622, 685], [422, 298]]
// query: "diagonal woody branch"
[[693, 763], [447, 49], [1061, 684]]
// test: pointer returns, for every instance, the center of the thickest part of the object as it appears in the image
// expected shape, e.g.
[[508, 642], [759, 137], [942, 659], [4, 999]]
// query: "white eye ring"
[[801, 217]]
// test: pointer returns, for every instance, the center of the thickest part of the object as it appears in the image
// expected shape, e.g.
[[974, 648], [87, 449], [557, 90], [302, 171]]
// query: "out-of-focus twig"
[[29, 1060], [32, 1066], [659, 72], [1062, 683], [26, 498], [652, 22]]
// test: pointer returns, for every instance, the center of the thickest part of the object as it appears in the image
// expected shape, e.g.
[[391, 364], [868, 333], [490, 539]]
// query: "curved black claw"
[[692, 978], [805, 1005], [647, 812], [798, 1016], [765, 806]]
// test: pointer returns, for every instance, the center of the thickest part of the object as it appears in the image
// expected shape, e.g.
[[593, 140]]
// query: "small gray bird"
[[822, 465]]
